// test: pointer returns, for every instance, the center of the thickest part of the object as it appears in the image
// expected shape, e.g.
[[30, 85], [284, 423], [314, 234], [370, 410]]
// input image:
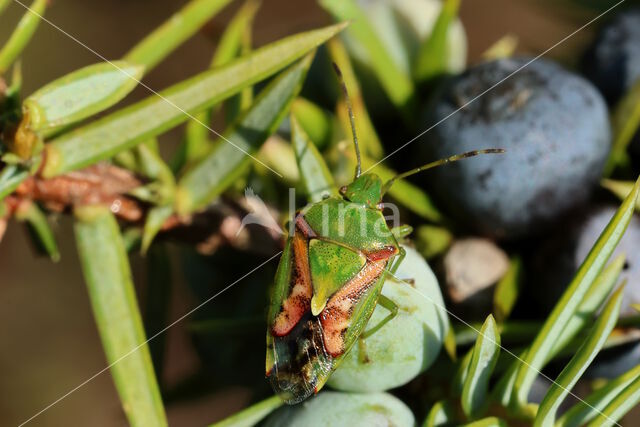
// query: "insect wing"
[[297, 363]]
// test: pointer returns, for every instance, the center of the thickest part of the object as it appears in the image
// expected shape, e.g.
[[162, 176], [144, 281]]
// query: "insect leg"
[[401, 231], [396, 263], [391, 273], [393, 312]]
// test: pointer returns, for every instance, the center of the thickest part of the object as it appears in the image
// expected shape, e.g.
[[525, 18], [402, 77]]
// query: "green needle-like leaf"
[[157, 114], [252, 415], [510, 331], [586, 410], [80, 94], [155, 219], [462, 373], [442, 413], [108, 276], [503, 390], [625, 121], [487, 422], [30, 213], [484, 359], [4, 4], [229, 47], [505, 47], [240, 103], [13, 91], [131, 237], [22, 35], [216, 172], [626, 400], [165, 40], [432, 57], [432, 241], [146, 161], [316, 122], [314, 173], [581, 360], [620, 189], [395, 82], [151, 164], [593, 300], [598, 292], [10, 177], [507, 289], [370, 143], [181, 26], [278, 155], [449, 344], [231, 40], [537, 354]]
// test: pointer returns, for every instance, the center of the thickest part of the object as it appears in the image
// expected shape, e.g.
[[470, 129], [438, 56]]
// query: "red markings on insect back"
[[336, 317], [383, 254], [337, 314], [299, 300]]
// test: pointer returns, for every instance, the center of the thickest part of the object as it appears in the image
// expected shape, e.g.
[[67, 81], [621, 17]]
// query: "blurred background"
[[47, 333]]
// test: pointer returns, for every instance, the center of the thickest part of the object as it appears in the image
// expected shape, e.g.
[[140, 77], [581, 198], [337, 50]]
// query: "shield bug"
[[330, 278]]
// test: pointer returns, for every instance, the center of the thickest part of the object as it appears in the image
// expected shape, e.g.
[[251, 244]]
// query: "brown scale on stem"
[[218, 225], [101, 184]]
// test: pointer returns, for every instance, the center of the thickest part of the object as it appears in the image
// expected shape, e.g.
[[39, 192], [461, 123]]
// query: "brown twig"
[[109, 185], [102, 184]]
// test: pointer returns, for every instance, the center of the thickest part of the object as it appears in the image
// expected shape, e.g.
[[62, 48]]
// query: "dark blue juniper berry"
[[560, 254], [554, 127], [612, 62], [558, 259]]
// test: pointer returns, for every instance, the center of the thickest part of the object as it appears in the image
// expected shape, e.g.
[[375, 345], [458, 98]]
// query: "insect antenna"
[[440, 162], [343, 86]]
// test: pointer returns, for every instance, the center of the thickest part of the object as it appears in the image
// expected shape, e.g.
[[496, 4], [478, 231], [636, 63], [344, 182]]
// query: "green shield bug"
[[330, 277]]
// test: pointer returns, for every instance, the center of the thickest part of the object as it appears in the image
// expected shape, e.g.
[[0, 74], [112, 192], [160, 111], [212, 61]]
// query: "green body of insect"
[[327, 286], [329, 281]]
